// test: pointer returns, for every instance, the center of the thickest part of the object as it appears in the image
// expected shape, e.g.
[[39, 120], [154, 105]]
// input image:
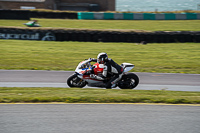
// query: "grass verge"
[[44, 55], [77, 95], [148, 25]]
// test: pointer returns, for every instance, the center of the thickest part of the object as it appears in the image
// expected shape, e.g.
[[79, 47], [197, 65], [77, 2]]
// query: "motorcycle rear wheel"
[[75, 81], [129, 81]]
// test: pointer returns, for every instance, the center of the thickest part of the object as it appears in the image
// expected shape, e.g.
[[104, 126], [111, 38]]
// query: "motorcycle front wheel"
[[128, 81], [75, 81]]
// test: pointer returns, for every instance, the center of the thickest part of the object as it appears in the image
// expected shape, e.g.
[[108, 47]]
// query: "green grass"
[[45, 55], [149, 25], [76, 95], [40, 55]]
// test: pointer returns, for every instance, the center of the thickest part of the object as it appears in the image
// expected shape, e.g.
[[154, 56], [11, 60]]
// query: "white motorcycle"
[[82, 77]]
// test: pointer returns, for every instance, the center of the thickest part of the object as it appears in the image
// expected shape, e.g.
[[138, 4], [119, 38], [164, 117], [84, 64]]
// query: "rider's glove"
[[91, 59]]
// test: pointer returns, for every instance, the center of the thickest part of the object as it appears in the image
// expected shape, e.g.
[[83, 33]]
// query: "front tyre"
[[75, 81], [128, 81]]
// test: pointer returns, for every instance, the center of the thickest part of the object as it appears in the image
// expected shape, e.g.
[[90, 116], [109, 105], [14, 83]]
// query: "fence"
[[139, 16]]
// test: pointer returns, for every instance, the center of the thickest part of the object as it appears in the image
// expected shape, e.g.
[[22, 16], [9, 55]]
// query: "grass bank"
[[77, 95], [148, 25], [45, 55]]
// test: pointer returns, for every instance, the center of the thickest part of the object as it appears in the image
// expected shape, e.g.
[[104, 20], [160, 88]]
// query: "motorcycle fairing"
[[97, 69], [91, 81], [127, 66]]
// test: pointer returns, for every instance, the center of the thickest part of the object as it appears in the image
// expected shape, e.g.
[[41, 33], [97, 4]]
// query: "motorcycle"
[[82, 76]]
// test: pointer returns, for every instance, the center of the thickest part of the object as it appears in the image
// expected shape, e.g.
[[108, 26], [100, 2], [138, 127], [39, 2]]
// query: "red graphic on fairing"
[[97, 69]]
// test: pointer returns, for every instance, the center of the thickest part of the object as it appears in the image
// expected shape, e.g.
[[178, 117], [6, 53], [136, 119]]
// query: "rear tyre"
[[75, 81], [128, 81]]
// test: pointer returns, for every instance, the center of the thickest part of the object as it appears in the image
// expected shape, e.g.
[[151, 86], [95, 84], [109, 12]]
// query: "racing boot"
[[93, 76]]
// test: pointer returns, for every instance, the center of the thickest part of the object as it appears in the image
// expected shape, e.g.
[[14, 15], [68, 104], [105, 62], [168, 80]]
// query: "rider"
[[32, 23], [110, 69]]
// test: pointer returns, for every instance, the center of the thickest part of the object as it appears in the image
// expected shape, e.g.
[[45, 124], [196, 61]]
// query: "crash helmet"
[[102, 58]]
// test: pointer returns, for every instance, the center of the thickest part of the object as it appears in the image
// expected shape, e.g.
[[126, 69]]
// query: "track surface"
[[99, 118], [148, 81]]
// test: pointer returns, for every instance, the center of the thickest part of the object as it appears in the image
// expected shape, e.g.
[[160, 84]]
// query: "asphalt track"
[[99, 118], [148, 81]]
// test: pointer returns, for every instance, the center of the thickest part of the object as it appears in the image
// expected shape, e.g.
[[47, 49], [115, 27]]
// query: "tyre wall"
[[61, 15], [98, 35], [15, 14], [26, 14]]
